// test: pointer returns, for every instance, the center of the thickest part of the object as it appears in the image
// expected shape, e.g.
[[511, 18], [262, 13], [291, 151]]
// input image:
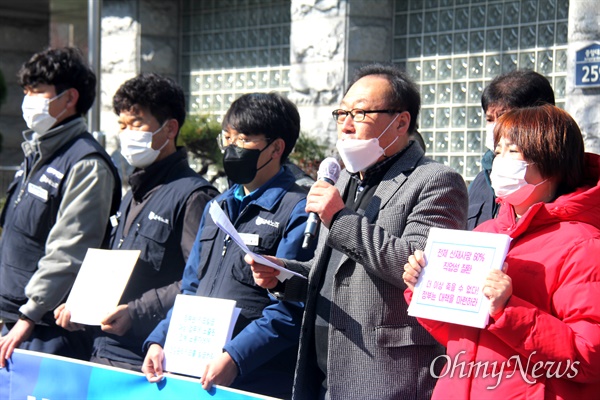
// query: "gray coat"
[[375, 350]]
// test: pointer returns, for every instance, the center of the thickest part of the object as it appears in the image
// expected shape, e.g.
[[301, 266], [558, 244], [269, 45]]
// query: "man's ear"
[[72, 99], [403, 121], [172, 127], [278, 148]]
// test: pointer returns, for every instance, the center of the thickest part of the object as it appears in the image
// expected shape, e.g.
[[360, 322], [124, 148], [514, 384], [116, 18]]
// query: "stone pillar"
[[318, 63], [128, 50], [329, 39], [160, 36], [583, 103], [120, 59], [370, 33]]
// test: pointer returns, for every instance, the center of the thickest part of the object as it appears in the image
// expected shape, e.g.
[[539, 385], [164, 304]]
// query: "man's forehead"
[[135, 113], [40, 87], [368, 90], [234, 132]]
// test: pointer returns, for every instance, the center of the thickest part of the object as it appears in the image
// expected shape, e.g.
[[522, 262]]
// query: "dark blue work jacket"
[[222, 271], [30, 213], [273, 219], [154, 231]]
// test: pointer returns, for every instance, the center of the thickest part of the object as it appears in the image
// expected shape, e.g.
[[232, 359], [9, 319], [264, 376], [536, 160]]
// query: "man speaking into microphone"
[[357, 340], [329, 171]]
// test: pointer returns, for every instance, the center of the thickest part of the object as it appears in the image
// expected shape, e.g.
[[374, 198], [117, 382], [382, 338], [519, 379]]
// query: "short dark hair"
[[548, 137], [404, 93], [517, 89], [161, 95], [64, 68], [269, 114]]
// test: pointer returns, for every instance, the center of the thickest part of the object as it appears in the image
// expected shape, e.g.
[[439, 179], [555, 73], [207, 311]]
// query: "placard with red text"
[[449, 288]]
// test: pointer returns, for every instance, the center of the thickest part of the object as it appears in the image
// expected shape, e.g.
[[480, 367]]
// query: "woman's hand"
[[498, 289], [413, 268]]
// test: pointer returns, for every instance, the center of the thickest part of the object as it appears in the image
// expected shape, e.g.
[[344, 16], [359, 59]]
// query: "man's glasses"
[[358, 115], [224, 139]]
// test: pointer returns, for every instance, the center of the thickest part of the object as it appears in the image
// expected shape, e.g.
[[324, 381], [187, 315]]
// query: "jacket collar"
[[269, 194], [44, 147], [393, 179], [389, 185], [146, 179]]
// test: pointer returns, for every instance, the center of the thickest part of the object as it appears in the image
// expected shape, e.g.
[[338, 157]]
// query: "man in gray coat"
[[356, 340]]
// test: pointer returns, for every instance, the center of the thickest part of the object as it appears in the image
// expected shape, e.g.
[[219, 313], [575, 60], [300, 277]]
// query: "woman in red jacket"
[[543, 339]]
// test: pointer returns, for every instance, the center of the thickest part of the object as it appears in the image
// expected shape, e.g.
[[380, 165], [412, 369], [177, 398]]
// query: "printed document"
[[223, 222], [199, 328], [449, 287]]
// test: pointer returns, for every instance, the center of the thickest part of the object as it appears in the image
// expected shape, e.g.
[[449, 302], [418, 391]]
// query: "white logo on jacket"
[[45, 179], [261, 221], [155, 217], [56, 173]]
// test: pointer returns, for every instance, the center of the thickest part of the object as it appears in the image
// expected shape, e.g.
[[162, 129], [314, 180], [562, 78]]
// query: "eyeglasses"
[[358, 115], [225, 139]]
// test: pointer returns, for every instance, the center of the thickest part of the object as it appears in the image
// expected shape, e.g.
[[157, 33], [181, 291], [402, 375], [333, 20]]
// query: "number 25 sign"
[[587, 66]]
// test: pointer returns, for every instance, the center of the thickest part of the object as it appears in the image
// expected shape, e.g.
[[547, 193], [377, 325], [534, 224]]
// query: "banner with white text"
[[31, 375]]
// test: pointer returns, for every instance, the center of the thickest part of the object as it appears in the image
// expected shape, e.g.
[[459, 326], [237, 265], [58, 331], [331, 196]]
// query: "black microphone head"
[[329, 170]]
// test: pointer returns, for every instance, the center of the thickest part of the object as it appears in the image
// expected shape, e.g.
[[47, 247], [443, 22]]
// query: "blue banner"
[[32, 375]]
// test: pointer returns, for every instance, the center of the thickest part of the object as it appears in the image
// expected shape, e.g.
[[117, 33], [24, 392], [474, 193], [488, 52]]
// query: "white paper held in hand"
[[100, 284], [449, 287], [199, 328], [223, 222]]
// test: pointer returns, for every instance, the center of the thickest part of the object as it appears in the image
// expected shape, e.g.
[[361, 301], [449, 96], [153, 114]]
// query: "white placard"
[[199, 328], [100, 284], [449, 288], [223, 222]]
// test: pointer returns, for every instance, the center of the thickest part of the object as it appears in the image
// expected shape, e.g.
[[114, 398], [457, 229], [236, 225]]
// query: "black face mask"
[[240, 164]]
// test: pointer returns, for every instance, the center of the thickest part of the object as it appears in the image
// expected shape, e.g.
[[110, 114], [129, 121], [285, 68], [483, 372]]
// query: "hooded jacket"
[[546, 342]]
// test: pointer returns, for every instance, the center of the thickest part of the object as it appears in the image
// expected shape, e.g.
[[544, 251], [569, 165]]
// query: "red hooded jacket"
[[546, 343]]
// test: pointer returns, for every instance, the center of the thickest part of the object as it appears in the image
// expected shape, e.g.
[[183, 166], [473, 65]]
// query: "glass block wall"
[[232, 47], [454, 48]]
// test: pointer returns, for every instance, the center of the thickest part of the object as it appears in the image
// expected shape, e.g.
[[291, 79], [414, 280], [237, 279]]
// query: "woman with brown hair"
[[543, 338]]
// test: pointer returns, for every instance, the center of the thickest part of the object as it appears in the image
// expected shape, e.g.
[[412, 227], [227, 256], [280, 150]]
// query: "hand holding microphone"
[[329, 171]]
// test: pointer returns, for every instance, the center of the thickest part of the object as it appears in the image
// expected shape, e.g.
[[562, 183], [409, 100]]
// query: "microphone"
[[329, 171]]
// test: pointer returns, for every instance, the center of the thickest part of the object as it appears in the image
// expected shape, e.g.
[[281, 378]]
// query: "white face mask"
[[136, 147], [358, 154], [508, 180], [37, 115], [489, 135]]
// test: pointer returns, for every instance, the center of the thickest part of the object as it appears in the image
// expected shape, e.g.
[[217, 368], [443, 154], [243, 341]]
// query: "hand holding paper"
[[200, 327], [412, 269], [100, 284], [225, 224], [497, 289], [451, 287]]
